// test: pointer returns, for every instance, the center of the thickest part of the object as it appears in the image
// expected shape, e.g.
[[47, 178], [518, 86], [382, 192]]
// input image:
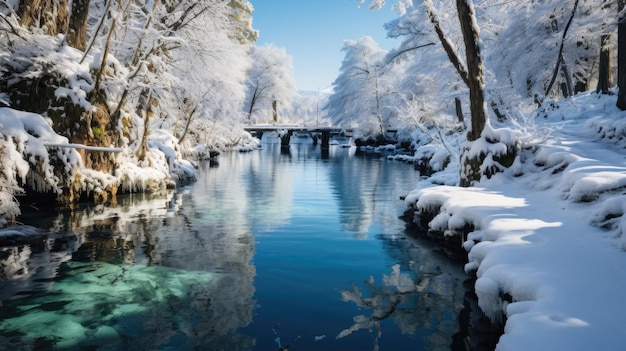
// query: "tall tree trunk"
[[77, 31], [474, 68], [621, 57], [379, 114], [274, 111], [471, 164], [27, 10], [604, 75]]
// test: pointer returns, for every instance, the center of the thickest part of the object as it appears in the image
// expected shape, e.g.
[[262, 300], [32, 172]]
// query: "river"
[[272, 249]]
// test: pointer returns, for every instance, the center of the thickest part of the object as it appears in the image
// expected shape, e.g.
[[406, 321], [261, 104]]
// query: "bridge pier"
[[320, 135], [325, 139], [285, 139]]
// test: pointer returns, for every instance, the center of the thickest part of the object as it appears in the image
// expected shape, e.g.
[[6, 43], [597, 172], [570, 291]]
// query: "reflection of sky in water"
[[259, 247]]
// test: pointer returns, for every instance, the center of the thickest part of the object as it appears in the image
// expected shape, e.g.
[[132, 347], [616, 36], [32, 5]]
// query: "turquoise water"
[[270, 249]]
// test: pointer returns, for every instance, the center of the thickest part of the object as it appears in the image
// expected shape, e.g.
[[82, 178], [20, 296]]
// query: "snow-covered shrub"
[[181, 170], [431, 158], [494, 152]]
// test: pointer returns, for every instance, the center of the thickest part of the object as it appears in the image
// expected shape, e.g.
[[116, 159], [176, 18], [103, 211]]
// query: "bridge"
[[317, 133]]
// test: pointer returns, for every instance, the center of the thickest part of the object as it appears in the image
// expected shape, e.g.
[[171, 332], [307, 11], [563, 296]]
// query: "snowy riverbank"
[[37, 159], [548, 246]]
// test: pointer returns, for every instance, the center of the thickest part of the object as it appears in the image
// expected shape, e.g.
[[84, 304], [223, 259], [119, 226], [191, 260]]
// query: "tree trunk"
[[471, 164], [559, 59], [27, 10], [568, 78], [459, 109], [143, 146], [604, 77], [51, 14], [379, 114], [252, 103], [474, 68], [77, 31], [621, 57], [564, 90], [180, 141], [274, 111]]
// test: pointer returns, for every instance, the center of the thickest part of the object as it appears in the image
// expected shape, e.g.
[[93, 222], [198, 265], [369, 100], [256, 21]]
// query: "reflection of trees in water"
[[31, 265], [141, 239], [426, 294], [371, 178], [423, 295], [411, 305], [265, 189], [348, 179]]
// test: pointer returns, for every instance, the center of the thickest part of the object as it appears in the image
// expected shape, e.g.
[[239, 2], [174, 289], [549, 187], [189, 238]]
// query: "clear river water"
[[269, 250]]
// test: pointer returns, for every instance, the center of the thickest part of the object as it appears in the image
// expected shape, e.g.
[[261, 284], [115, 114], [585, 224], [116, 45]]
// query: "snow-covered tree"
[[424, 76], [210, 64], [361, 93], [306, 109], [471, 71], [242, 22], [117, 72], [270, 83]]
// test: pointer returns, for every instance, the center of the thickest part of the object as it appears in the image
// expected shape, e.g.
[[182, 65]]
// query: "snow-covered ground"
[[548, 247]]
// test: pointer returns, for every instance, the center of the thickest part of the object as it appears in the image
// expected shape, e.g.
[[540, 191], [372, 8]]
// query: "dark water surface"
[[264, 250]]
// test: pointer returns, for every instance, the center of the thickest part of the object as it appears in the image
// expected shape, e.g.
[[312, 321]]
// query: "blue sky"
[[313, 33]]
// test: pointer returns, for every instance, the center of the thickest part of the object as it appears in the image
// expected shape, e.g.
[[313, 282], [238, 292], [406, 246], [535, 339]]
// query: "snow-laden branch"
[[84, 147]]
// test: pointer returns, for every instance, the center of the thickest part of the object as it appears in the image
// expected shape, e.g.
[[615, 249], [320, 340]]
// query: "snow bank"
[[547, 244]]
